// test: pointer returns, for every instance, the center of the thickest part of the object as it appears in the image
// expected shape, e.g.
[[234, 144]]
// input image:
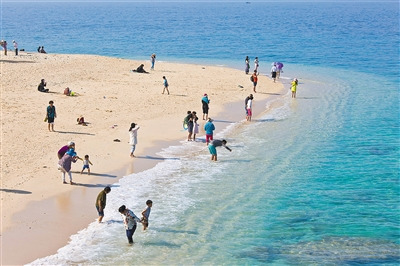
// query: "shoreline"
[[62, 205]]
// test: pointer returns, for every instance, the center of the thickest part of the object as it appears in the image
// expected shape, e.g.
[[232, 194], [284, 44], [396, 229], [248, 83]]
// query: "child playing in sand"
[[86, 163], [165, 85], [146, 214]]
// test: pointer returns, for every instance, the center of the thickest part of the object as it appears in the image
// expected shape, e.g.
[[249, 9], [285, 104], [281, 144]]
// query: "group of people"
[[4, 44], [67, 155], [192, 125], [129, 218], [41, 50], [209, 127]]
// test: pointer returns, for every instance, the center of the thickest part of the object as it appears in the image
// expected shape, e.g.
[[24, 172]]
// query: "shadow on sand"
[[16, 191]]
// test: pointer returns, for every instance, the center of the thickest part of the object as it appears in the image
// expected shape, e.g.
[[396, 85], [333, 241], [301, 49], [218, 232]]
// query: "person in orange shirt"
[[255, 79]]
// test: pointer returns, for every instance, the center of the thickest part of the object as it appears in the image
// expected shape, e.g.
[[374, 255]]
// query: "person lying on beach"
[[42, 86], [140, 69], [213, 145]]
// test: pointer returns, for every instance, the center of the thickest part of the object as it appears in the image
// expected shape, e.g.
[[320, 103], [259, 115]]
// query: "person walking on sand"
[[101, 202], [273, 72], [130, 222], [133, 138], [146, 214], [247, 67], [165, 85], [86, 163], [254, 79], [205, 105], [256, 64], [249, 108], [64, 164], [209, 128], [213, 145], [15, 47], [51, 115], [293, 87], [153, 61]]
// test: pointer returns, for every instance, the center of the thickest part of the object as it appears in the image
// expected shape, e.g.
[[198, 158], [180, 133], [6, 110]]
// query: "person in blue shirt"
[[205, 101], [50, 115], [165, 85], [209, 128]]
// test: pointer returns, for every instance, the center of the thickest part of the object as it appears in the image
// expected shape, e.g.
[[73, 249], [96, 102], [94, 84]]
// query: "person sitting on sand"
[[42, 86], [81, 121], [42, 51], [140, 69]]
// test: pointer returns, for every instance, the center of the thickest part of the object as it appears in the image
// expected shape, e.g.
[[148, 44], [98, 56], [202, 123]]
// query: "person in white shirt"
[[249, 108], [15, 47], [273, 72], [130, 222], [133, 137], [256, 64]]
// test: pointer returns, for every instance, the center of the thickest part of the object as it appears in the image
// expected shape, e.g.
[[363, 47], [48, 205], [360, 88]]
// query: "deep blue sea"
[[314, 180]]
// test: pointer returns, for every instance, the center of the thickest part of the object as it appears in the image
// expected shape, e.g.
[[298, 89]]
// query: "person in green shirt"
[[101, 202]]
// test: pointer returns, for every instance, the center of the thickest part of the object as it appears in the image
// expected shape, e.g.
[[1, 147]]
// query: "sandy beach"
[[38, 211]]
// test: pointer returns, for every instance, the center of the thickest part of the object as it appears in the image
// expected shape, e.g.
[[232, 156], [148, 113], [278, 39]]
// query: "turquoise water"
[[314, 180]]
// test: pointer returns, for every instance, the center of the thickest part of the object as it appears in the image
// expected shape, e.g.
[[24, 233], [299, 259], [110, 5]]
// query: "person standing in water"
[[293, 87], [101, 202], [247, 67], [213, 145], [130, 222]]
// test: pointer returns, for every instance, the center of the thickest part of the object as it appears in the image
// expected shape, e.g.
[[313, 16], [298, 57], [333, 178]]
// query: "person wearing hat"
[[65, 148], [15, 47], [205, 101], [64, 164]]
